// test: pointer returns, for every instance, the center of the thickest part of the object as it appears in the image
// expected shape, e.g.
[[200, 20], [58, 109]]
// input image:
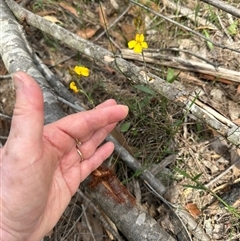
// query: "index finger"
[[79, 125]]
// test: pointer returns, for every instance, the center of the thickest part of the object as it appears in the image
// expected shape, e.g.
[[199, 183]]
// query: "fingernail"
[[126, 108], [18, 82]]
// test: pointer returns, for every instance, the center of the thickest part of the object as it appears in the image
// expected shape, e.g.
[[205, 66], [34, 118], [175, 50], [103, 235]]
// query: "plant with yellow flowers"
[[79, 71], [138, 44], [75, 85]]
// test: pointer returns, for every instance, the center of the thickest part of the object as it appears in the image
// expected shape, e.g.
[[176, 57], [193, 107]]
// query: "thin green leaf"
[[171, 76], [145, 89], [182, 172], [209, 44], [197, 177], [195, 187], [125, 127], [197, 10]]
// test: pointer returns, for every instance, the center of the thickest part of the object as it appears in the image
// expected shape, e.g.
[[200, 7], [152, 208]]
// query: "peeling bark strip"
[[173, 92]]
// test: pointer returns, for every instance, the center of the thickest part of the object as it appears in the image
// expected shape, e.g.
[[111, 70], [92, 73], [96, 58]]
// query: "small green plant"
[[125, 126], [232, 29]]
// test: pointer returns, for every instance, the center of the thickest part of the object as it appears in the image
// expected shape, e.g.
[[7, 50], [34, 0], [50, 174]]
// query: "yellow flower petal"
[[141, 38], [138, 48], [137, 37], [73, 87], [131, 44], [77, 70], [84, 71], [81, 70], [144, 45]]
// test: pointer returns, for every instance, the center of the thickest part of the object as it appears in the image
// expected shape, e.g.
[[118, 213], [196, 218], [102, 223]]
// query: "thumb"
[[28, 117]]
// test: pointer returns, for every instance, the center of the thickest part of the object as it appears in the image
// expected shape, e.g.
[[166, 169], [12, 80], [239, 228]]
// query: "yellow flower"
[[73, 87], [138, 44], [81, 70]]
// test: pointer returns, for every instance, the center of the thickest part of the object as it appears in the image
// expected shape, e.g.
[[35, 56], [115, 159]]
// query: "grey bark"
[[17, 56]]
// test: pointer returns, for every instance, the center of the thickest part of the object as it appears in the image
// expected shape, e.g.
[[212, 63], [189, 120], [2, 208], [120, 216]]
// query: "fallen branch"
[[183, 64]]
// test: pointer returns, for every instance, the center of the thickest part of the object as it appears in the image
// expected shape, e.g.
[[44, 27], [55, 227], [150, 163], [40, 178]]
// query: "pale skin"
[[40, 167]]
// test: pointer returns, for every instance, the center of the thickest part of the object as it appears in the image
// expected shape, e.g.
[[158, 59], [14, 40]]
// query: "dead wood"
[[184, 64]]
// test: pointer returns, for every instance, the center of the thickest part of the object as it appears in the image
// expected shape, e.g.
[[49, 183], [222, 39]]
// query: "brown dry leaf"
[[238, 89], [103, 16], [211, 166], [128, 31], [237, 122], [87, 32], [235, 154], [193, 209], [121, 139], [43, 13], [52, 19], [234, 110], [69, 8], [152, 5], [118, 38]]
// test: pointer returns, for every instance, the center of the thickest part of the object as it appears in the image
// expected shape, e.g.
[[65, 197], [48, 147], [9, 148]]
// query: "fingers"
[[83, 125], [27, 121], [106, 103], [89, 147], [101, 154]]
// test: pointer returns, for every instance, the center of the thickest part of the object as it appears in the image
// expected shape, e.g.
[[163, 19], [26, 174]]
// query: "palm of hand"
[[40, 168]]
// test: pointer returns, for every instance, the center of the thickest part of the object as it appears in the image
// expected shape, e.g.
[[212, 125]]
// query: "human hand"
[[40, 166]]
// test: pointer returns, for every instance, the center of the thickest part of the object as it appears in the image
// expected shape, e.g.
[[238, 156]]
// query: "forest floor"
[[200, 168]]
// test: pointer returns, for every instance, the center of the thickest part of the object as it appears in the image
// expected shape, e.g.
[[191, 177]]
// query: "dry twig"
[[224, 6]]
